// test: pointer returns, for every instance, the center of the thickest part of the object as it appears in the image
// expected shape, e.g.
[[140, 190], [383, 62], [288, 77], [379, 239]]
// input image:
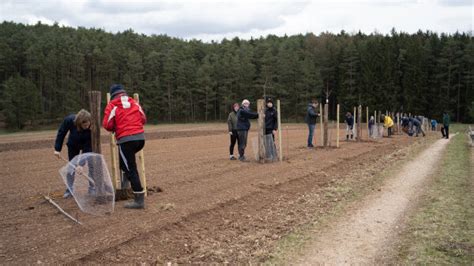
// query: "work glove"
[[57, 154], [230, 133]]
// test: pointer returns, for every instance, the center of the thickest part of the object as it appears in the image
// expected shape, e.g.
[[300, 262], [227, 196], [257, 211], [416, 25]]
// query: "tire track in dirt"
[[362, 236], [49, 142]]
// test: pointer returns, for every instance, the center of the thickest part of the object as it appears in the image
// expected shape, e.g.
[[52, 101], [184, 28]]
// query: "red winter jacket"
[[124, 116]]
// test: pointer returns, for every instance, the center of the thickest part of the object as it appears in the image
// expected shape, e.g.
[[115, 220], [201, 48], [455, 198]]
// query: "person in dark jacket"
[[416, 126], [271, 119], [405, 123], [310, 119], [371, 126], [446, 122], [125, 117], [349, 126], [232, 125], [243, 127], [78, 126]]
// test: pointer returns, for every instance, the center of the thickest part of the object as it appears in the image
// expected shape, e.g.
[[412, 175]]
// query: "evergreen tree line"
[[47, 71]]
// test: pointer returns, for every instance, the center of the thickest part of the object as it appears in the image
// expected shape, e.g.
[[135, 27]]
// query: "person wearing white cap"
[[243, 126]]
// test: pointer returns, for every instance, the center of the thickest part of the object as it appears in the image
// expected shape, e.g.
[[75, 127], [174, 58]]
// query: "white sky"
[[214, 20]]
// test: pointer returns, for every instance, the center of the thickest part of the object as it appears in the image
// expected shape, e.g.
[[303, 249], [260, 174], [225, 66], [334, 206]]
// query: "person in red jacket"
[[125, 118]]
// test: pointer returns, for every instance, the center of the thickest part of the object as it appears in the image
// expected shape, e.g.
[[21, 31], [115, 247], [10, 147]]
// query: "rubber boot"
[[138, 202]]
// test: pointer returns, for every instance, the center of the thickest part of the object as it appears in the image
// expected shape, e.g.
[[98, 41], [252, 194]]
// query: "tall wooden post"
[[354, 127], [261, 129], [279, 132], [337, 130], [359, 122], [321, 134], [113, 156], [367, 120], [94, 104], [141, 157], [376, 123], [326, 117], [398, 123]]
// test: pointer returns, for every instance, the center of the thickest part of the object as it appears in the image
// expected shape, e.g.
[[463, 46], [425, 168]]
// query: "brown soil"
[[211, 209]]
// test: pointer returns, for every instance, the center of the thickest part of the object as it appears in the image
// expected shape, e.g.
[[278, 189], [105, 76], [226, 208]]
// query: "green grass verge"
[[441, 231]]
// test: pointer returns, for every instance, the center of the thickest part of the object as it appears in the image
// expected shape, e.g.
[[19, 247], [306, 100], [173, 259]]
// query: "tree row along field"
[[47, 71]]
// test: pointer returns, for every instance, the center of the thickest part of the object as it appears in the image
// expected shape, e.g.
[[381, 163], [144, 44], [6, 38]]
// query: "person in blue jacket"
[[78, 127], [406, 125], [416, 126], [310, 119], [243, 126], [434, 124]]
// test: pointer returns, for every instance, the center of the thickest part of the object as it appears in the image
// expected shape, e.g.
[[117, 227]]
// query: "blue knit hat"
[[116, 89]]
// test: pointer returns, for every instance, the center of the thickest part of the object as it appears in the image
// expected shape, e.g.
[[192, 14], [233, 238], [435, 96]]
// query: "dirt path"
[[362, 236]]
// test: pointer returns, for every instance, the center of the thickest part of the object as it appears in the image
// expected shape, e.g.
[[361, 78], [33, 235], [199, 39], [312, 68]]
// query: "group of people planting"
[[238, 123], [125, 118], [411, 125]]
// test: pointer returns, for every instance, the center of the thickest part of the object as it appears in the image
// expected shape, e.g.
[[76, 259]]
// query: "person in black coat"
[[243, 126], [271, 119], [78, 127], [349, 126], [310, 119], [417, 127]]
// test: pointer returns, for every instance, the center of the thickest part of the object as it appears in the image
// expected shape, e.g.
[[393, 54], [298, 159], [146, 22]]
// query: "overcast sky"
[[214, 20]]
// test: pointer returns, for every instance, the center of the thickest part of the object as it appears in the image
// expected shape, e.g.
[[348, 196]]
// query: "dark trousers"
[[73, 151], [270, 131], [243, 134], [445, 131], [233, 139], [389, 131], [128, 163], [310, 134], [419, 130]]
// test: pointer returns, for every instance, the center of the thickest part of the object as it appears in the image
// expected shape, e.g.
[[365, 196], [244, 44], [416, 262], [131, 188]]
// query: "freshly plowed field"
[[211, 209]]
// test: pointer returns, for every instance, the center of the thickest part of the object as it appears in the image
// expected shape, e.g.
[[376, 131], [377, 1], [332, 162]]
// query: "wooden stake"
[[321, 123], [367, 120], [113, 156], [337, 130], [354, 127], [398, 123], [94, 104], [279, 131], [326, 117], [359, 122], [61, 210], [287, 144], [141, 157], [376, 125], [261, 130]]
